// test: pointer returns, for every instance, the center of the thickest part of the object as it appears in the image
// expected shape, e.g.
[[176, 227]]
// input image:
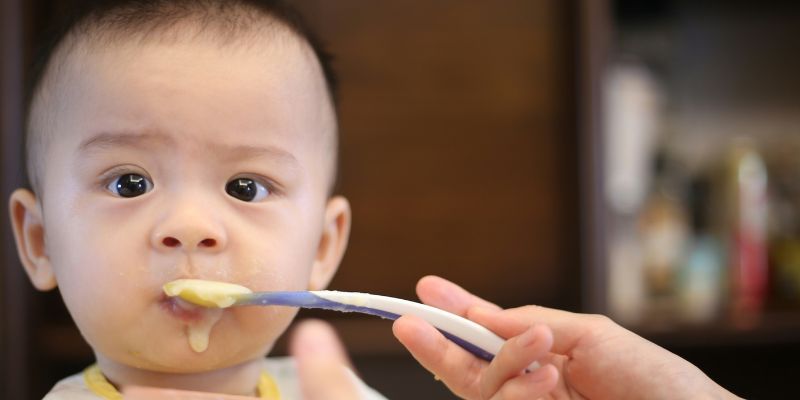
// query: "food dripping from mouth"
[[199, 304]]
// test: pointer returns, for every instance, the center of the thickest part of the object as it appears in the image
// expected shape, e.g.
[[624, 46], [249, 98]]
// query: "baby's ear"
[[26, 220], [332, 244]]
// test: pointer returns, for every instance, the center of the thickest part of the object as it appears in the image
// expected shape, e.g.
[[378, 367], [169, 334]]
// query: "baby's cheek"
[[265, 279], [284, 267], [263, 325], [92, 297], [270, 318]]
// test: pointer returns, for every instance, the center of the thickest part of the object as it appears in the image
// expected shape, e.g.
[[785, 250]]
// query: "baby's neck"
[[240, 379]]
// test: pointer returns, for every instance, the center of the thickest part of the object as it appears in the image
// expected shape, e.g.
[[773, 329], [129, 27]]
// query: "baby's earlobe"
[[28, 227]]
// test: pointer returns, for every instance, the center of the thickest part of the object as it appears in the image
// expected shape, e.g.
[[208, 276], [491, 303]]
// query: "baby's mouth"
[[198, 320], [182, 309]]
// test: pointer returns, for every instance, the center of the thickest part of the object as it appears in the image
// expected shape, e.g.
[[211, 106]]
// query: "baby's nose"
[[171, 241], [188, 233]]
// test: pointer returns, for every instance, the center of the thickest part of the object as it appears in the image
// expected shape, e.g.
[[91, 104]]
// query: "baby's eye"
[[130, 185], [246, 189]]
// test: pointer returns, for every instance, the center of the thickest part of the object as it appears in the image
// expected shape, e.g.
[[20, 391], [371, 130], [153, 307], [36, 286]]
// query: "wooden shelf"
[[774, 328]]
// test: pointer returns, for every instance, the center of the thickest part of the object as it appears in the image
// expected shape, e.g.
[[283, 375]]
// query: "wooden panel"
[[14, 292], [457, 150], [595, 33]]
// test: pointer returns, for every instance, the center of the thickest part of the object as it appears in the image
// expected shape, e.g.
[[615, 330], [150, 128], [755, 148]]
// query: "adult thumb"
[[322, 362]]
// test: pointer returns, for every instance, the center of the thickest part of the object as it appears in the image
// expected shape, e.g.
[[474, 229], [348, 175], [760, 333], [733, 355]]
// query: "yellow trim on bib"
[[96, 382], [99, 385], [267, 387]]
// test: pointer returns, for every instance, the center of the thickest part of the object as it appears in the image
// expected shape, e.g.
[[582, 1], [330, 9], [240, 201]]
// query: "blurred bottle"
[[701, 277], [663, 230], [747, 221], [632, 113]]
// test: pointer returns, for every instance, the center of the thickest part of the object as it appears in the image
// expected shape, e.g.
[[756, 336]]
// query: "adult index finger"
[[568, 328], [441, 293]]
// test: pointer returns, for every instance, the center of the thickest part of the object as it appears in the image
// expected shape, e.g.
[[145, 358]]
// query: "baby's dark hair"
[[110, 21]]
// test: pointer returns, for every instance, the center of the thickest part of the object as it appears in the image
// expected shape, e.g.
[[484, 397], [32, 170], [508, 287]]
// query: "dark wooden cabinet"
[[458, 145]]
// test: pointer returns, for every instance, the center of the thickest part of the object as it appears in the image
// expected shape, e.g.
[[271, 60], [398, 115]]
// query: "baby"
[[181, 139]]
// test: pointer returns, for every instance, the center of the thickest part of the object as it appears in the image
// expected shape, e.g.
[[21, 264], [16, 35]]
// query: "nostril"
[[208, 243], [170, 241]]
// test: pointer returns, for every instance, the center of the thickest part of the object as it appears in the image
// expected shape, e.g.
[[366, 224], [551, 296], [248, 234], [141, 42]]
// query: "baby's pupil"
[[242, 189], [131, 185]]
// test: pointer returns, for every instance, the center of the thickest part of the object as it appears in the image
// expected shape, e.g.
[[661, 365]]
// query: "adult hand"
[[582, 356], [322, 362]]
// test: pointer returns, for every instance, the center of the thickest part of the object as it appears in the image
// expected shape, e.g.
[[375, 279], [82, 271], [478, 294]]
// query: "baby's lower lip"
[[181, 309]]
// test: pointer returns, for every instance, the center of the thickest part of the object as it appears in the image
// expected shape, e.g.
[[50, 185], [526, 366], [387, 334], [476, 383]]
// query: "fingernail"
[[527, 338], [539, 375]]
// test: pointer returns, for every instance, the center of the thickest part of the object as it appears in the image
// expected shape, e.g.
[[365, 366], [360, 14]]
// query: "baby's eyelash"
[[274, 188], [114, 173]]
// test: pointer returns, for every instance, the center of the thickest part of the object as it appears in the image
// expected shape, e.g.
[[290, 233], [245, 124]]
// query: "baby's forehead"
[[239, 82], [268, 73], [94, 55]]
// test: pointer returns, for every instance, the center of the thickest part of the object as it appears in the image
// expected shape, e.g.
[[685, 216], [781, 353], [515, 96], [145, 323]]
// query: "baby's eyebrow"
[[148, 140], [247, 151], [105, 140]]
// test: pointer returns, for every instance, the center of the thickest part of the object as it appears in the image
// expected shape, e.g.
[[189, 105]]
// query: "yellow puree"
[[209, 294]]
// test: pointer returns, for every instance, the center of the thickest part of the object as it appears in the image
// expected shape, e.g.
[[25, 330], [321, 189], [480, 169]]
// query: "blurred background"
[[637, 159]]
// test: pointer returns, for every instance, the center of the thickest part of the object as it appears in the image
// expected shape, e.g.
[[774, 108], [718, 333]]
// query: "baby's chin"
[[233, 337], [176, 356]]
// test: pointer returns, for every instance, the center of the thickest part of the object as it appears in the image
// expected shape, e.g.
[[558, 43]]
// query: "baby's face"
[[185, 160]]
